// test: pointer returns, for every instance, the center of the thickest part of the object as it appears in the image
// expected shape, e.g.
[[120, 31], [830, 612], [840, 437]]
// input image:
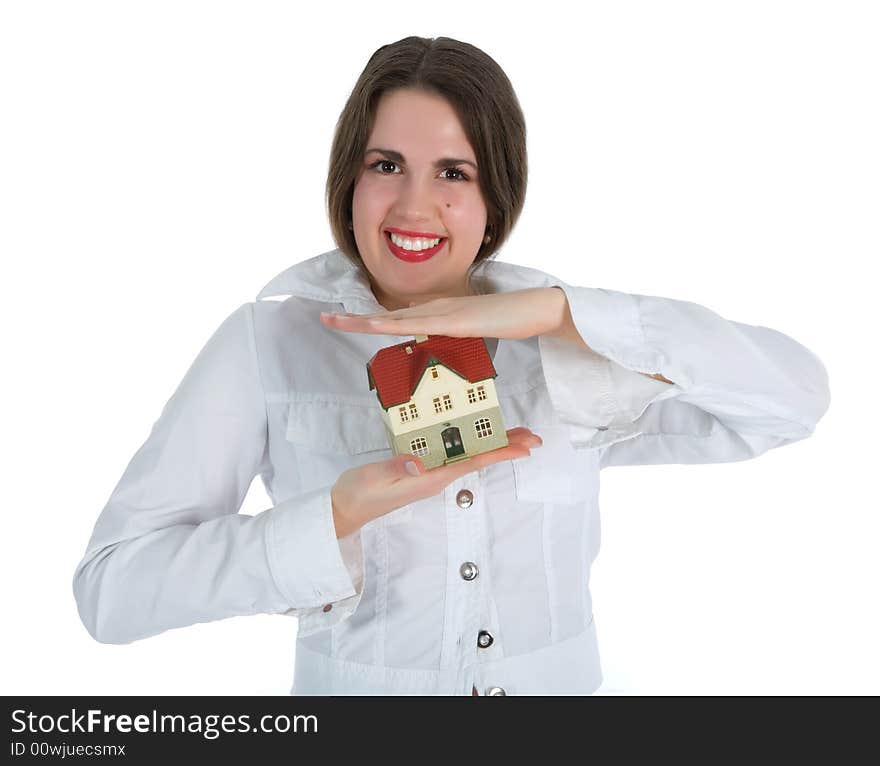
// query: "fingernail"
[[412, 468]]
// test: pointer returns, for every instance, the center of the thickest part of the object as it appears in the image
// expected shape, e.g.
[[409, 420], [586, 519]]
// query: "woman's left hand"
[[514, 314]]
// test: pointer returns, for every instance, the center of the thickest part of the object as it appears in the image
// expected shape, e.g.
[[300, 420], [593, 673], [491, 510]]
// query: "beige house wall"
[[457, 410]]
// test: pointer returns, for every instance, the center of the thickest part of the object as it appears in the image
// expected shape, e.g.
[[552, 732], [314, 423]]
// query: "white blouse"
[[484, 585]]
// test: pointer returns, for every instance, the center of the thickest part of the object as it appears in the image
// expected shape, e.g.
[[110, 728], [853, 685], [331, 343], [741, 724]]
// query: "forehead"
[[421, 126]]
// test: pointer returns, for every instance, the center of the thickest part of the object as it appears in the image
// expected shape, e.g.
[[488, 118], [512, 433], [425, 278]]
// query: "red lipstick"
[[411, 256], [413, 234]]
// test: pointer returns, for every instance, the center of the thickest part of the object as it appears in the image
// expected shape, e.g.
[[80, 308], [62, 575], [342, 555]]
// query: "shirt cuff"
[[751, 380], [597, 397], [310, 565]]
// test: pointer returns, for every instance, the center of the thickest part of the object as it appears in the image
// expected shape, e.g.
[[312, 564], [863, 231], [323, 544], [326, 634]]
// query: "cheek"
[[457, 195], [465, 210], [371, 199]]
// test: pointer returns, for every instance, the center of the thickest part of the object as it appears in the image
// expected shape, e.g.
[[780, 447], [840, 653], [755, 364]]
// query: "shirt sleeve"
[[737, 390], [170, 549]]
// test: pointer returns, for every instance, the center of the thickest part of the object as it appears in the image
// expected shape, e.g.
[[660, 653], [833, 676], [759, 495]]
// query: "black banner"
[[143, 729]]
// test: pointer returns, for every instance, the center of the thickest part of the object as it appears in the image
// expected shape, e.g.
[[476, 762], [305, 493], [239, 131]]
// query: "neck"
[[392, 301]]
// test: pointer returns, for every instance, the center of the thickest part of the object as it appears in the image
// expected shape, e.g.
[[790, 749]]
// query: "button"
[[328, 607], [468, 570], [464, 498], [496, 691], [484, 639]]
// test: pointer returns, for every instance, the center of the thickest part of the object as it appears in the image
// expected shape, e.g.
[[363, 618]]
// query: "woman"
[[471, 578]]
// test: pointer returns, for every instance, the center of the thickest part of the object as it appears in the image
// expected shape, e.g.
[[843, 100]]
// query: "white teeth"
[[413, 244]]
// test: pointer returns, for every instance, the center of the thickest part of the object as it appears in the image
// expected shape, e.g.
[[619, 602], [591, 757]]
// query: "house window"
[[472, 397], [403, 415], [419, 446], [434, 373], [481, 392], [447, 402], [438, 408], [413, 412], [483, 427]]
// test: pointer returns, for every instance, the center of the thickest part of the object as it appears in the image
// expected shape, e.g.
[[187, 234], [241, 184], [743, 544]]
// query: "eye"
[[462, 176], [383, 162]]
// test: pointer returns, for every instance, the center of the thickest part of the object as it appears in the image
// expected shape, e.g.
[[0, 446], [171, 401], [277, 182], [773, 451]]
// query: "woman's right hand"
[[368, 491]]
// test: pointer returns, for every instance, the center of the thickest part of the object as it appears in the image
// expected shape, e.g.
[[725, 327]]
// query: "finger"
[[426, 310], [519, 441], [446, 474], [519, 430], [349, 315], [462, 468], [403, 488], [342, 323], [378, 324], [524, 437], [420, 325], [346, 316]]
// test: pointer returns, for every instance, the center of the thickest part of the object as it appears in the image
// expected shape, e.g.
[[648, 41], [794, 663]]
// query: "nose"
[[417, 200]]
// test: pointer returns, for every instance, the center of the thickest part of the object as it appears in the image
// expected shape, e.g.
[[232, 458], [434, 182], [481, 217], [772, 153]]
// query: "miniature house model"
[[438, 397]]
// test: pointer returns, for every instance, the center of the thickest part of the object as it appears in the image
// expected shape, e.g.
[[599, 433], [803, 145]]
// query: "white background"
[[161, 161]]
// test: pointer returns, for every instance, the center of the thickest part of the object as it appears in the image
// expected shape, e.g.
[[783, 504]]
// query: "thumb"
[[409, 465]]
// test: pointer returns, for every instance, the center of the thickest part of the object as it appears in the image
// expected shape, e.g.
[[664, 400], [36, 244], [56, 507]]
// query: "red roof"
[[395, 373]]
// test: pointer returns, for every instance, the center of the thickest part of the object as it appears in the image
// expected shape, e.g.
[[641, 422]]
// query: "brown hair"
[[487, 107]]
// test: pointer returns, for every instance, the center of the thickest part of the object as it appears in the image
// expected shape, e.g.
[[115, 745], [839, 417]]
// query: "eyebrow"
[[443, 162]]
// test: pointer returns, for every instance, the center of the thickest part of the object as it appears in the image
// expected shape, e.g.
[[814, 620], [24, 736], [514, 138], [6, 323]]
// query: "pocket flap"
[[336, 423]]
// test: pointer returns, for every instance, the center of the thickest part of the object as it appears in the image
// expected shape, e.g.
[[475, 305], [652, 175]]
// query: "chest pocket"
[[332, 433], [556, 472], [343, 424], [335, 432]]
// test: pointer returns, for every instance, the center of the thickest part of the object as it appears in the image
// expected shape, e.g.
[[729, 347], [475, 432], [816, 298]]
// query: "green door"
[[452, 441]]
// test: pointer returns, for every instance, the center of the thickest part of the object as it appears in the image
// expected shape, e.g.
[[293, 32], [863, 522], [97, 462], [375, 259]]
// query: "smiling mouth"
[[413, 256]]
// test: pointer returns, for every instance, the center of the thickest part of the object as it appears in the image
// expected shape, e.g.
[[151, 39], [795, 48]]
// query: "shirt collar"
[[329, 278], [332, 278]]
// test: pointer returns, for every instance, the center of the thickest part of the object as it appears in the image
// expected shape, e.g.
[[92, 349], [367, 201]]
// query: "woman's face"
[[424, 181]]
